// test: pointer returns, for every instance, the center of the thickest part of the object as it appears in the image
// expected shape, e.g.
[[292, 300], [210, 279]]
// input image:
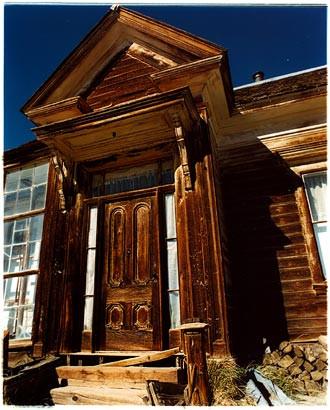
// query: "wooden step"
[[99, 396], [117, 376]]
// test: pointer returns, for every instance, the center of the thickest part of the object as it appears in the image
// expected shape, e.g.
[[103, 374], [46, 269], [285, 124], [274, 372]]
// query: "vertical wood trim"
[[157, 296], [185, 278], [218, 275], [45, 277], [71, 314], [308, 232]]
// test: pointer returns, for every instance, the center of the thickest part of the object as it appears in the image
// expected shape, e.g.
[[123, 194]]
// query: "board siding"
[[125, 79], [269, 255]]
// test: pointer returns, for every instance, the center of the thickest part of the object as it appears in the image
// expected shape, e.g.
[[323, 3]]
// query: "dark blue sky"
[[275, 39]]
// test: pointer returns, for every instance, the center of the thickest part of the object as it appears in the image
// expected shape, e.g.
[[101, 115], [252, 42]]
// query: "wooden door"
[[131, 275]]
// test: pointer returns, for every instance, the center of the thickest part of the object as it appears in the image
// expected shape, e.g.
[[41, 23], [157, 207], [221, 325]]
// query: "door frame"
[[92, 340]]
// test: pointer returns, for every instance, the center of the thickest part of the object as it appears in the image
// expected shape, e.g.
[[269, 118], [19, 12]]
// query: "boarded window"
[[316, 190]]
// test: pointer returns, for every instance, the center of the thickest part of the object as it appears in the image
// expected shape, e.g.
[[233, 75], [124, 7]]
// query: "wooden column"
[[194, 347]]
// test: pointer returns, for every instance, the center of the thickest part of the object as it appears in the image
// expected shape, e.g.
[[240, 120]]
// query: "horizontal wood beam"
[[126, 375], [148, 358]]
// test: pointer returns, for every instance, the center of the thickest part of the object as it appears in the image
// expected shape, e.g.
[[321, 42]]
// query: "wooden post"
[[197, 391], [5, 348]]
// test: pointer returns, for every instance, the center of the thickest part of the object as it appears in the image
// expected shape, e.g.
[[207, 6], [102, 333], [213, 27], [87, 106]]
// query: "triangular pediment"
[[127, 77], [122, 37]]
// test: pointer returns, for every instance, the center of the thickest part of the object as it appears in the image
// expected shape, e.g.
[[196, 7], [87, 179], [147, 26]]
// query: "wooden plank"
[[112, 383], [101, 395], [143, 359], [155, 400], [124, 374]]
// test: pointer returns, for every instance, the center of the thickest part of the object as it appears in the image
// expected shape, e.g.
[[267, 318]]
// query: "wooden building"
[[155, 195]]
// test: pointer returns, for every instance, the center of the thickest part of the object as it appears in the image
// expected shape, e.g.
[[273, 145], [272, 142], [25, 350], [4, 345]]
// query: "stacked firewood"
[[306, 363]]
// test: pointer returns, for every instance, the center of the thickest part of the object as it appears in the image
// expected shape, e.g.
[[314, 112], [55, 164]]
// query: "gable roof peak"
[[118, 29]]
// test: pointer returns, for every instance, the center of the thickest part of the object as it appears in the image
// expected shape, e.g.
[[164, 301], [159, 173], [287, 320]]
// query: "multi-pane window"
[[316, 190], [172, 262], [24, 202]]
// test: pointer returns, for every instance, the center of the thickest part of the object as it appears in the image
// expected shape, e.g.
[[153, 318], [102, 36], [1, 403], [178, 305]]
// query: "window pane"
[[20, 236], [18, 251], [38, 197], [316, 185], [167, 172], [170, 216], [19, 294], [17, 258], [40, 174], [26, 178], [12, 181], [322, 240], [172, 265], [10, 204], [92, 228], [10, 291], [6, 257], [174, 301], [88, 314], [33, 255], [36, 227], [23, 201], [21, 224], [8, 232]]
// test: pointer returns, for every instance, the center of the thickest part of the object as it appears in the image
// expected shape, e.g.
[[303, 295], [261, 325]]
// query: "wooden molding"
[[62, 110], [188, 68], [140, 124]]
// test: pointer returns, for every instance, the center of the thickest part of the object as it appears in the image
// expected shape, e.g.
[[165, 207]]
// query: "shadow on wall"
[[260, 209]]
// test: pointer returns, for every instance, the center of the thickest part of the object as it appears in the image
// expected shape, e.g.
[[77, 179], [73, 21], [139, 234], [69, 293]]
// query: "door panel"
[[115, 254], [131, 277]]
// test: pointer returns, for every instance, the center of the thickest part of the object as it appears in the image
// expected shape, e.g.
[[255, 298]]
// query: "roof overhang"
[[142, 123], [118, 29]]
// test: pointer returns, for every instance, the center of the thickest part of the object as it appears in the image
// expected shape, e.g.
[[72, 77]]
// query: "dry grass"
[[281, 378], [227, 382], [285, 382]]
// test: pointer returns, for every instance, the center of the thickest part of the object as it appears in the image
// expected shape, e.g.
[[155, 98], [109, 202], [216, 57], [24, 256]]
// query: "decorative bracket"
[[67, 182], [183, 151]]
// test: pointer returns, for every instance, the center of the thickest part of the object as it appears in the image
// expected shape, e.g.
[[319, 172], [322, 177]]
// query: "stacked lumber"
[[307, 363], [124, 382]]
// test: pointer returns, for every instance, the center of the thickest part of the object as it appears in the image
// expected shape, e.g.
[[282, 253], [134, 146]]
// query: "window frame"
[[318, 279], [312, 222], [27, 341]]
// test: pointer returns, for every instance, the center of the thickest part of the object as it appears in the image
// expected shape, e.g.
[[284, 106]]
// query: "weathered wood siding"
[[272, 294], [125, 79]]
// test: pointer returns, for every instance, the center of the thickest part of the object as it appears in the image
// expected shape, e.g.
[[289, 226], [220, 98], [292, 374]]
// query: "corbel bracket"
[[66, 180], [183, 152]]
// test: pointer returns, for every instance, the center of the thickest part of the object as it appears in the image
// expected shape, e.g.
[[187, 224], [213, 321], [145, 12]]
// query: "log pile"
[[306, 363]]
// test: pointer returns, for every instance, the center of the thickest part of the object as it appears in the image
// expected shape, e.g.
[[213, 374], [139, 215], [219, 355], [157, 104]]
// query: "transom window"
[[24, 203], [147, 176], [316, 190]]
